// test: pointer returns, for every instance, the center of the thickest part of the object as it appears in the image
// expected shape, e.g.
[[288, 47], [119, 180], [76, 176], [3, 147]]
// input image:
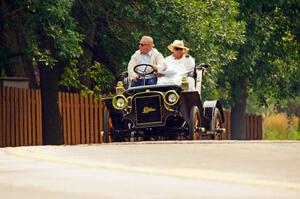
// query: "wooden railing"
[[21, 118]]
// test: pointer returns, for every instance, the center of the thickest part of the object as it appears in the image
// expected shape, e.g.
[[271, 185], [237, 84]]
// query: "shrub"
[[279, 127], [276, 123]]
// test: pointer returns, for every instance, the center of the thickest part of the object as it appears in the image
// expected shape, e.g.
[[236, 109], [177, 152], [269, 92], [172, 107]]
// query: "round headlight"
[[120, 102], [172, 98]]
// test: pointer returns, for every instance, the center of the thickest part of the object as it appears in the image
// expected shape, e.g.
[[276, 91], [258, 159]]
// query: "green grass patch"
[[294, 135], [276, 135]]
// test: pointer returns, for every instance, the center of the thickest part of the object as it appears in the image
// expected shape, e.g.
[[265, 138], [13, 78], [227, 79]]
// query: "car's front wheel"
[[194, 123], [218, 135], [107, 126]]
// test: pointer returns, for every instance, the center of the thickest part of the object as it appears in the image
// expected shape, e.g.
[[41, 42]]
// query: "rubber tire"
[[218, 123], [194, 113], [107, 126]]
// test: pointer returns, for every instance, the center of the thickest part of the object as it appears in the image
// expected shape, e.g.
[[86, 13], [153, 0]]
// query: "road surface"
[[206, 169]]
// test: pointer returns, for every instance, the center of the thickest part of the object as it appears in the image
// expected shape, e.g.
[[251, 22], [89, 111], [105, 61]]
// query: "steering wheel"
[[143, 69]]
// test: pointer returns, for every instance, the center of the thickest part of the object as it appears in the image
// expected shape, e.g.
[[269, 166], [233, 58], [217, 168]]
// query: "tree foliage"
[[269, 59], [51, 32], [252, 46], [112, 29]]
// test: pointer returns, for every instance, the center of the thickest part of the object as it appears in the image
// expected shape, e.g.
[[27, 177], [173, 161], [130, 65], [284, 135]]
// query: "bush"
[[280, 127], [276, 123]]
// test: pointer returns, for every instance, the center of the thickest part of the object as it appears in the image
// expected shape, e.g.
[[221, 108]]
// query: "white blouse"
[[173, 70]]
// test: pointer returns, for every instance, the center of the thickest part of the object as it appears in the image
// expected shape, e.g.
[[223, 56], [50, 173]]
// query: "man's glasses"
[[141, 44], [178, 49]]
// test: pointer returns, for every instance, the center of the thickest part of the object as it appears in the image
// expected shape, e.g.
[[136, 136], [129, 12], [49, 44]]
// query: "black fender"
[[209, 110], [115, 114], [187, 101]]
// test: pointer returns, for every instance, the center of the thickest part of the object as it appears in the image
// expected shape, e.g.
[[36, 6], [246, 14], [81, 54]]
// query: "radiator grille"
[[148, 109]]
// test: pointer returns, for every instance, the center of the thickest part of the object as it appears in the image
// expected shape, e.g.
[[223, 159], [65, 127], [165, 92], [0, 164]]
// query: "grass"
[[275, 135]]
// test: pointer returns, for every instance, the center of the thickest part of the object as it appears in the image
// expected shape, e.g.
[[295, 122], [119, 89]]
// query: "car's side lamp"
[[184, 84], [120, 88]]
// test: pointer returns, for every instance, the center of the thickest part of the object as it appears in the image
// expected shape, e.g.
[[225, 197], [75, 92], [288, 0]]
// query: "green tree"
[[53, 42], [13, 59], [112, 30], [267, 65], [91, 41]]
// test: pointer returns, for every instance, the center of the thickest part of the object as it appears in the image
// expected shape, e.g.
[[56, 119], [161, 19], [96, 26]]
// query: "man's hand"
[[135, 78], [154, 67]]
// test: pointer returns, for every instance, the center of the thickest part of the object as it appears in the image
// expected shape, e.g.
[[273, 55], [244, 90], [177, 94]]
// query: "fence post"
[[77, 118], [68, 110], [2, 116], [96, 120], [29, 118], [39, 116], [34, 130], [17, 116], [82, 127], [260, 131], [91, 112], [101, 118], [21, 114], [227, 125], [87, 127], [13, 117], [24, 93], [72, 117]]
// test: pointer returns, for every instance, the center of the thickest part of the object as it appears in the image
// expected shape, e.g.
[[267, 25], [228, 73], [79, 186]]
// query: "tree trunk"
[[238, 110], [87, 57], [52, 122]]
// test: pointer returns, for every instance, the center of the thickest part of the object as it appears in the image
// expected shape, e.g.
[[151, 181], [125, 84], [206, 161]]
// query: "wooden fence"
[[21, 118], [254, 127], [81, 118]]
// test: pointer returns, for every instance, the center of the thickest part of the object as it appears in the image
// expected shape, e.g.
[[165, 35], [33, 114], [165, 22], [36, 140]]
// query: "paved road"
[[152, 170]]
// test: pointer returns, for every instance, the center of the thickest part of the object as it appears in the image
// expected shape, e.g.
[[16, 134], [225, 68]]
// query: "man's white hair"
[[149, 39]]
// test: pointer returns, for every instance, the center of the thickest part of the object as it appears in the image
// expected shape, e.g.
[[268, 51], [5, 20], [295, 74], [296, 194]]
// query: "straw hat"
[[178, 44]]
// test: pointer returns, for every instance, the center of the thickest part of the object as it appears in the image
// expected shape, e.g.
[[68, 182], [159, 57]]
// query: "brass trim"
[[129, 100]]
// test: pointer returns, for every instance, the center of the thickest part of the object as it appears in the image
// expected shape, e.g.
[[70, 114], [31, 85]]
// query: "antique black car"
[[162, 112]]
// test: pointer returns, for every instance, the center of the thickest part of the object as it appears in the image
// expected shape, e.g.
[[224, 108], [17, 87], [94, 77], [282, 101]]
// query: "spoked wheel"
[[218, 125], [107, 126], [194, 123]]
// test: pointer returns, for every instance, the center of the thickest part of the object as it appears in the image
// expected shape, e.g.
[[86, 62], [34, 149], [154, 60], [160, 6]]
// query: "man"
[[177, 65], [146, 54]]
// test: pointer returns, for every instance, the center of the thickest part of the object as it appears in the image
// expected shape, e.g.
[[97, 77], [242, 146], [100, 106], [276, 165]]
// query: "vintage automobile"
[[161, 112]]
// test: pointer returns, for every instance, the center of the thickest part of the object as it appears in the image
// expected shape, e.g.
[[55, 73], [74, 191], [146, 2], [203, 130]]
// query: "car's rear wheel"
[[194, 123], [107, 126], [217, 125]]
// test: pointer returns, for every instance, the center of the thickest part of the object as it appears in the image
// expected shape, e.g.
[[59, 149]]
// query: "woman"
[[176, 66]]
